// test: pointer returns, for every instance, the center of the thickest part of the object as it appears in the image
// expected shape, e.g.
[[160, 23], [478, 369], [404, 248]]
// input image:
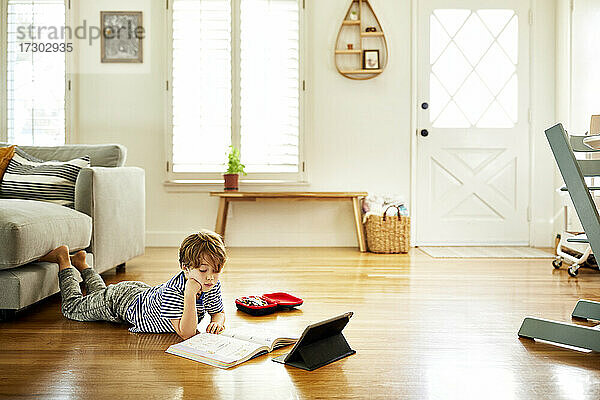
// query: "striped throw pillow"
[[28, 178]]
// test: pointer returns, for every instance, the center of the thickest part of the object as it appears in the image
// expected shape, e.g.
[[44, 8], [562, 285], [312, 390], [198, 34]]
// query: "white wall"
[[357, 132], [543, 50], [577, 82], [563, 103]]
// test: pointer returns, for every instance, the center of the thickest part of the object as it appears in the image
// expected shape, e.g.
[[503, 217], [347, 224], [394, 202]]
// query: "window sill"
[[211, 185]]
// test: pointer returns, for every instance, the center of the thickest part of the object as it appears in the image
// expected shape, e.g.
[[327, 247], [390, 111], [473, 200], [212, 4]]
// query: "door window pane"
[[473, 81]]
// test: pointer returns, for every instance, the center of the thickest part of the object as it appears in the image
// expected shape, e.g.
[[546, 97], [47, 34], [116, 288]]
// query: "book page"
[[258, 334], [219, 347]]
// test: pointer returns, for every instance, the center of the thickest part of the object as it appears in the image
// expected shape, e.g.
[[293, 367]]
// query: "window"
[[474, 60], [35, 80], [235, 80]]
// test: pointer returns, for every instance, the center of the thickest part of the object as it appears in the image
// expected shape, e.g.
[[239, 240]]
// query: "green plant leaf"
[[234, 166]]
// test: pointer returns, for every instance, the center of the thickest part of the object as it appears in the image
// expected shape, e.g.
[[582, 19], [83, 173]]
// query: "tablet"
[[320, 344]]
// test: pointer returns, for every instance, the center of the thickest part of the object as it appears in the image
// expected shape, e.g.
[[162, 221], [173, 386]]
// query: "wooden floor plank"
[[423, 328]]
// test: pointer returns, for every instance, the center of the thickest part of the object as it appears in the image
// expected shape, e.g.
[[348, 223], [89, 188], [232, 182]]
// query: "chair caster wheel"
[[557, 263], [572, 271]]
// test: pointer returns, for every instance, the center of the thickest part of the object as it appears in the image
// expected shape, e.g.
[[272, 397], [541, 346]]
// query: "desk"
[[226, 197]]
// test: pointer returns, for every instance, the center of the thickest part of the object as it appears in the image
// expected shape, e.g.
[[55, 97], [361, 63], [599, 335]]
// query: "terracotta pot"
[[231, 181]]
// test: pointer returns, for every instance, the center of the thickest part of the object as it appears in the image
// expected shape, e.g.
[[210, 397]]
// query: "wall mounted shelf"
[[360, 54], [348, 52], [363, 71]]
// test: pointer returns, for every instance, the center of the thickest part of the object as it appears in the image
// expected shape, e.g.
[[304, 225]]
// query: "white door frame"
[[414, 121]]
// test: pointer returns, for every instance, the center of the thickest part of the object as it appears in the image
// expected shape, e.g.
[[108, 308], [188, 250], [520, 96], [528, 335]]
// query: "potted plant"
[[234, 169]]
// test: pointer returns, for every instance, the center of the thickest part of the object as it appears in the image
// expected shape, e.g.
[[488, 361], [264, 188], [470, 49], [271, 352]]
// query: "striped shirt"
[[151, 311]]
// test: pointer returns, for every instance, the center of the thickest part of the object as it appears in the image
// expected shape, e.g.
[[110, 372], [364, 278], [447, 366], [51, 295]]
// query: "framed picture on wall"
[[370, 59], [122, 37]]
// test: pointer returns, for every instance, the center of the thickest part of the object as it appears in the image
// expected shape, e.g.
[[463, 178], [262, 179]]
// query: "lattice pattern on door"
[[473, 57]]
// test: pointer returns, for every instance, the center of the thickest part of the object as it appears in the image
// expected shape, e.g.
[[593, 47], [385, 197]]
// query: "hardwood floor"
[[423, 328]]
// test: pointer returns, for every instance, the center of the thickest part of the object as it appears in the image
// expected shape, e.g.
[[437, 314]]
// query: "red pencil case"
[[267, 303]]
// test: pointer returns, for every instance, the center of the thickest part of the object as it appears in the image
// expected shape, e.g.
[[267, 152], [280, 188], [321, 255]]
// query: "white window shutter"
[[265, 83], [269, 85], [201, 84], [35, 80]]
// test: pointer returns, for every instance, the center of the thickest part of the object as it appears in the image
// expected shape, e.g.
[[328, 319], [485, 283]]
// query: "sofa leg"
[[121, 268], [7, 315]]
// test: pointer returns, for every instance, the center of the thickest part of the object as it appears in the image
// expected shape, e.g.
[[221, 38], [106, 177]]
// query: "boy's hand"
[[215, 327], [192, 287]]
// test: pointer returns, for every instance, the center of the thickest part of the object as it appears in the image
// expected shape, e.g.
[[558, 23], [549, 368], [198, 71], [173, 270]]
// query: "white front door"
[[473, 151]]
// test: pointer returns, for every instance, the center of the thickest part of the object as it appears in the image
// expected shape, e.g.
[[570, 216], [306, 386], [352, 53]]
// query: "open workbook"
[[232, 347]]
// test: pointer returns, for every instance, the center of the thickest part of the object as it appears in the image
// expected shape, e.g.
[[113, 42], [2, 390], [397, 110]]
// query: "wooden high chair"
[[573, 172]]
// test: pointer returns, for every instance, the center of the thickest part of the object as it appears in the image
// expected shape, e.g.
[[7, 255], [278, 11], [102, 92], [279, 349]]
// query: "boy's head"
[[204, 247]]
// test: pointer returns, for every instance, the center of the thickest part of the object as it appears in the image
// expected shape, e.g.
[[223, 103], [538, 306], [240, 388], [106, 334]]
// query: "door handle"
[[424, 132]]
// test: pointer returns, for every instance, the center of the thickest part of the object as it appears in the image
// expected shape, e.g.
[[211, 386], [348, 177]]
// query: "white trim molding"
[[3, 70]]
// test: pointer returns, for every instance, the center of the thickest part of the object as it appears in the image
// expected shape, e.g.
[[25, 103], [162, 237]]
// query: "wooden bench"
[[227, 197]]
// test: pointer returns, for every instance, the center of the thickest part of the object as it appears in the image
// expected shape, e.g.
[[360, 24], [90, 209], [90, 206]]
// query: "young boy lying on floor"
[[176, 306]]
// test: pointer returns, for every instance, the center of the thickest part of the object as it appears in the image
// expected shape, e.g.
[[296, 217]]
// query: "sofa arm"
[[115, 199]]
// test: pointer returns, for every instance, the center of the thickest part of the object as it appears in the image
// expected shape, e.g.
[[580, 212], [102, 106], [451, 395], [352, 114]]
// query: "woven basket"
[[388, 234]]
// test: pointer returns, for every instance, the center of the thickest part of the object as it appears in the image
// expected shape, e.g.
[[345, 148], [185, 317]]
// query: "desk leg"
[[222, 216], [360, 233]]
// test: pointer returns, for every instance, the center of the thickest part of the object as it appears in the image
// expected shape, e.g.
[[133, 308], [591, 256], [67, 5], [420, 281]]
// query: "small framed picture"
[[370, 59], [121, 38]]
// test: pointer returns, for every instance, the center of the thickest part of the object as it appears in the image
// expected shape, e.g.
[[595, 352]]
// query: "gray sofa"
[[108, 221]]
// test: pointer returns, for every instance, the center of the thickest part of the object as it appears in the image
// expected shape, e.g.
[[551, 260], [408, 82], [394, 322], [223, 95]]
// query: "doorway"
[[473, 142]]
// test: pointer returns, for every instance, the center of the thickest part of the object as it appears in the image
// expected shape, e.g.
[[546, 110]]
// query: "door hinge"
[[530, 17], [303, 4], [167, 1], [69, 4], [167, 166], [167, 85], [69, 85], [572, 4], [303, 166], [303, 85]]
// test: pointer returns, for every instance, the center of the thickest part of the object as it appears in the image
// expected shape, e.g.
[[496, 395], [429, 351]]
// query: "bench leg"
[[360, 233], [222, 216]]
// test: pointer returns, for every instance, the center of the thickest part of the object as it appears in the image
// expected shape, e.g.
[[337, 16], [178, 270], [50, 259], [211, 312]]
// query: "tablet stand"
[[321, 344], [319, 353]]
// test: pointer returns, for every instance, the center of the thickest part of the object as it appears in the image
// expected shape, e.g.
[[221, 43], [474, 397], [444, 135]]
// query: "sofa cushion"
[[6, 154], [25, 285], [31, 229], [101, 155], [28, 178]]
